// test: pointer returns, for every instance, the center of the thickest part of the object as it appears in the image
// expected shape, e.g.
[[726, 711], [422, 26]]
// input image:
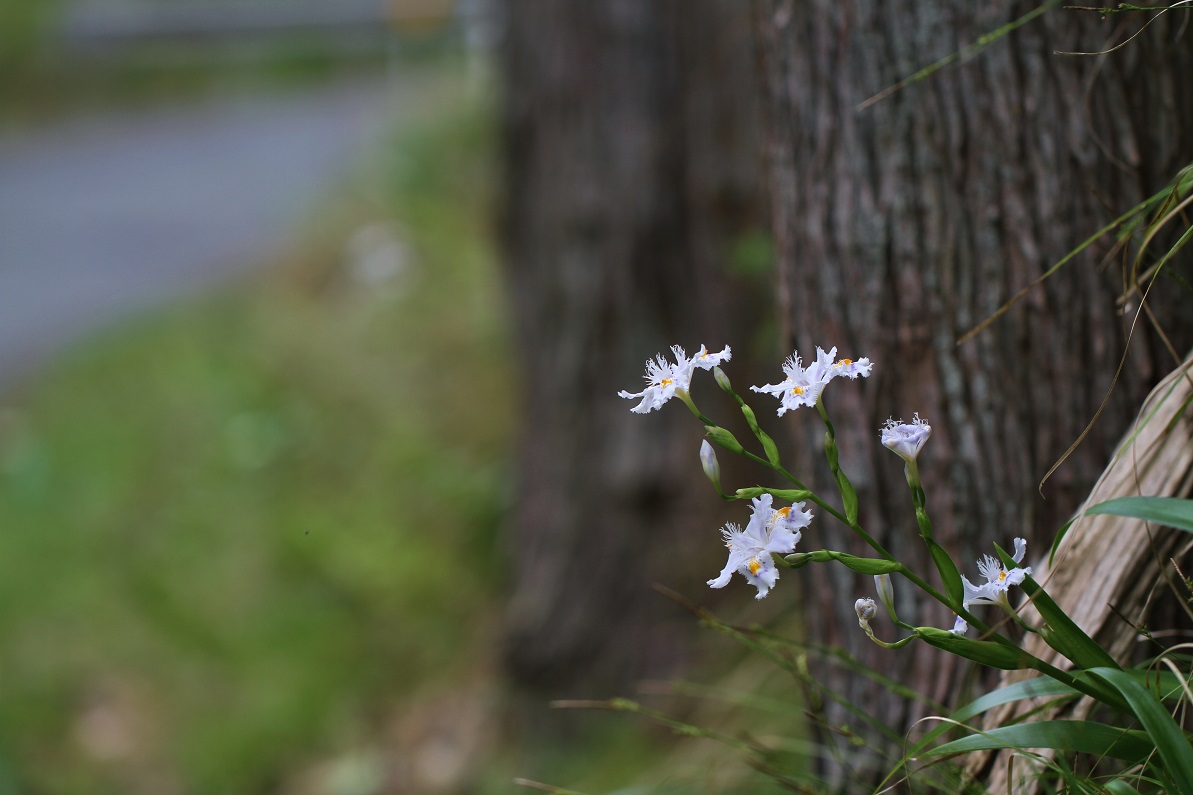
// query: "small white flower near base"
[[666, 380], [999, 579], [906, 439], [769, 532], [960, 627], [803, 386]]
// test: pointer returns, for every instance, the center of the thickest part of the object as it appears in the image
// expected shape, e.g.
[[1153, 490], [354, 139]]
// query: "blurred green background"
[[250, 538]]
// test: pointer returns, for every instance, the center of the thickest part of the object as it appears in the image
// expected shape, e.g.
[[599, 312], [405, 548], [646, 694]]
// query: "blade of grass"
[[1068, 736], [1171, 743]]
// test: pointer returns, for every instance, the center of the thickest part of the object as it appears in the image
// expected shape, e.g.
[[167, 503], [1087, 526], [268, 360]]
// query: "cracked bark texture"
[[630, 135], [901, 226]]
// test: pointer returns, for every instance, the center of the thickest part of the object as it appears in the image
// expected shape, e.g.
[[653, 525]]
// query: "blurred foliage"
[[44, 74], [250, 543], [239, 533], [24, 29]]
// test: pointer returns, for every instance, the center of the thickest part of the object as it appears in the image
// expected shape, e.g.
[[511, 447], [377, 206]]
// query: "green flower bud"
[[723, 438], [790, 495], [866, 565], [722, 380]]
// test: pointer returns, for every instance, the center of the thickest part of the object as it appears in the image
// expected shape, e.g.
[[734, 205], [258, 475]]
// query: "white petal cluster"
[[769, 531], [906, 439], [664, 379], [999, 579], [803, 386], [706, 360]]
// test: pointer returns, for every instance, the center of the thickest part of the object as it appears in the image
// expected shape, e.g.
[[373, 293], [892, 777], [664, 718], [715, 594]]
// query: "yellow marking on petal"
[[797, 390], [754, 566], [666, 382], [1002, 575], [784, 511]]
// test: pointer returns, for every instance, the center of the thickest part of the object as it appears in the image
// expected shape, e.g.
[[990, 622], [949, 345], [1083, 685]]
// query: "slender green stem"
[[898, 644]]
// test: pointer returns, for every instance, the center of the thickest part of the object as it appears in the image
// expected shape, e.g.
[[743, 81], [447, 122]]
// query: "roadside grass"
[[237, 534]]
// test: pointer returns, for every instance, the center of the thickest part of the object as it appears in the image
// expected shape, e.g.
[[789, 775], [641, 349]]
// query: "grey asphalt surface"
[[109, 215]]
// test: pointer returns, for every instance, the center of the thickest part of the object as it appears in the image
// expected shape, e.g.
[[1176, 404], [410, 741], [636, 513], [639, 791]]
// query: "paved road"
[[108, 215]]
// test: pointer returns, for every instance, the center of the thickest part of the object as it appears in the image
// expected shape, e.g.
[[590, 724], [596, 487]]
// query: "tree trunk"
[[901, 226], [630, 137]]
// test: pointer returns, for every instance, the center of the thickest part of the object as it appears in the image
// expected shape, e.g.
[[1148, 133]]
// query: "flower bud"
[[723, 438], [708, 460], [722, 380], [866, 609], [886, 592]]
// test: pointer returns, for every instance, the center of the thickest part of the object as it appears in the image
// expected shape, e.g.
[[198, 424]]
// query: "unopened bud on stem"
[[722, 380], [708, 460], [886, 593], [866, 610]]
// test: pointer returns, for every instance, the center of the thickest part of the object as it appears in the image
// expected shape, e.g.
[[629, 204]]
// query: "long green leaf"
[[1062, 633], [1169, 511], [1068, 736], [949, 575], [994, 655], [1040, 687], [1170, 742]]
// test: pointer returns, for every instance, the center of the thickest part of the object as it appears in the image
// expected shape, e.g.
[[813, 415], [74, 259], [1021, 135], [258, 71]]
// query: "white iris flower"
[[999, 579], [803, 386], [769, 531], [666, 380], [706, 360], [906, 439]]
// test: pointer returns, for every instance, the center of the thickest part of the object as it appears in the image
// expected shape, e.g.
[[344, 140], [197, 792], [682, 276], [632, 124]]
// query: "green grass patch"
[[237, 534]]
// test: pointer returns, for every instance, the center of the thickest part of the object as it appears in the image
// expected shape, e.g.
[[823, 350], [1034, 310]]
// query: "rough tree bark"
[[630, 138], [900, 226]]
